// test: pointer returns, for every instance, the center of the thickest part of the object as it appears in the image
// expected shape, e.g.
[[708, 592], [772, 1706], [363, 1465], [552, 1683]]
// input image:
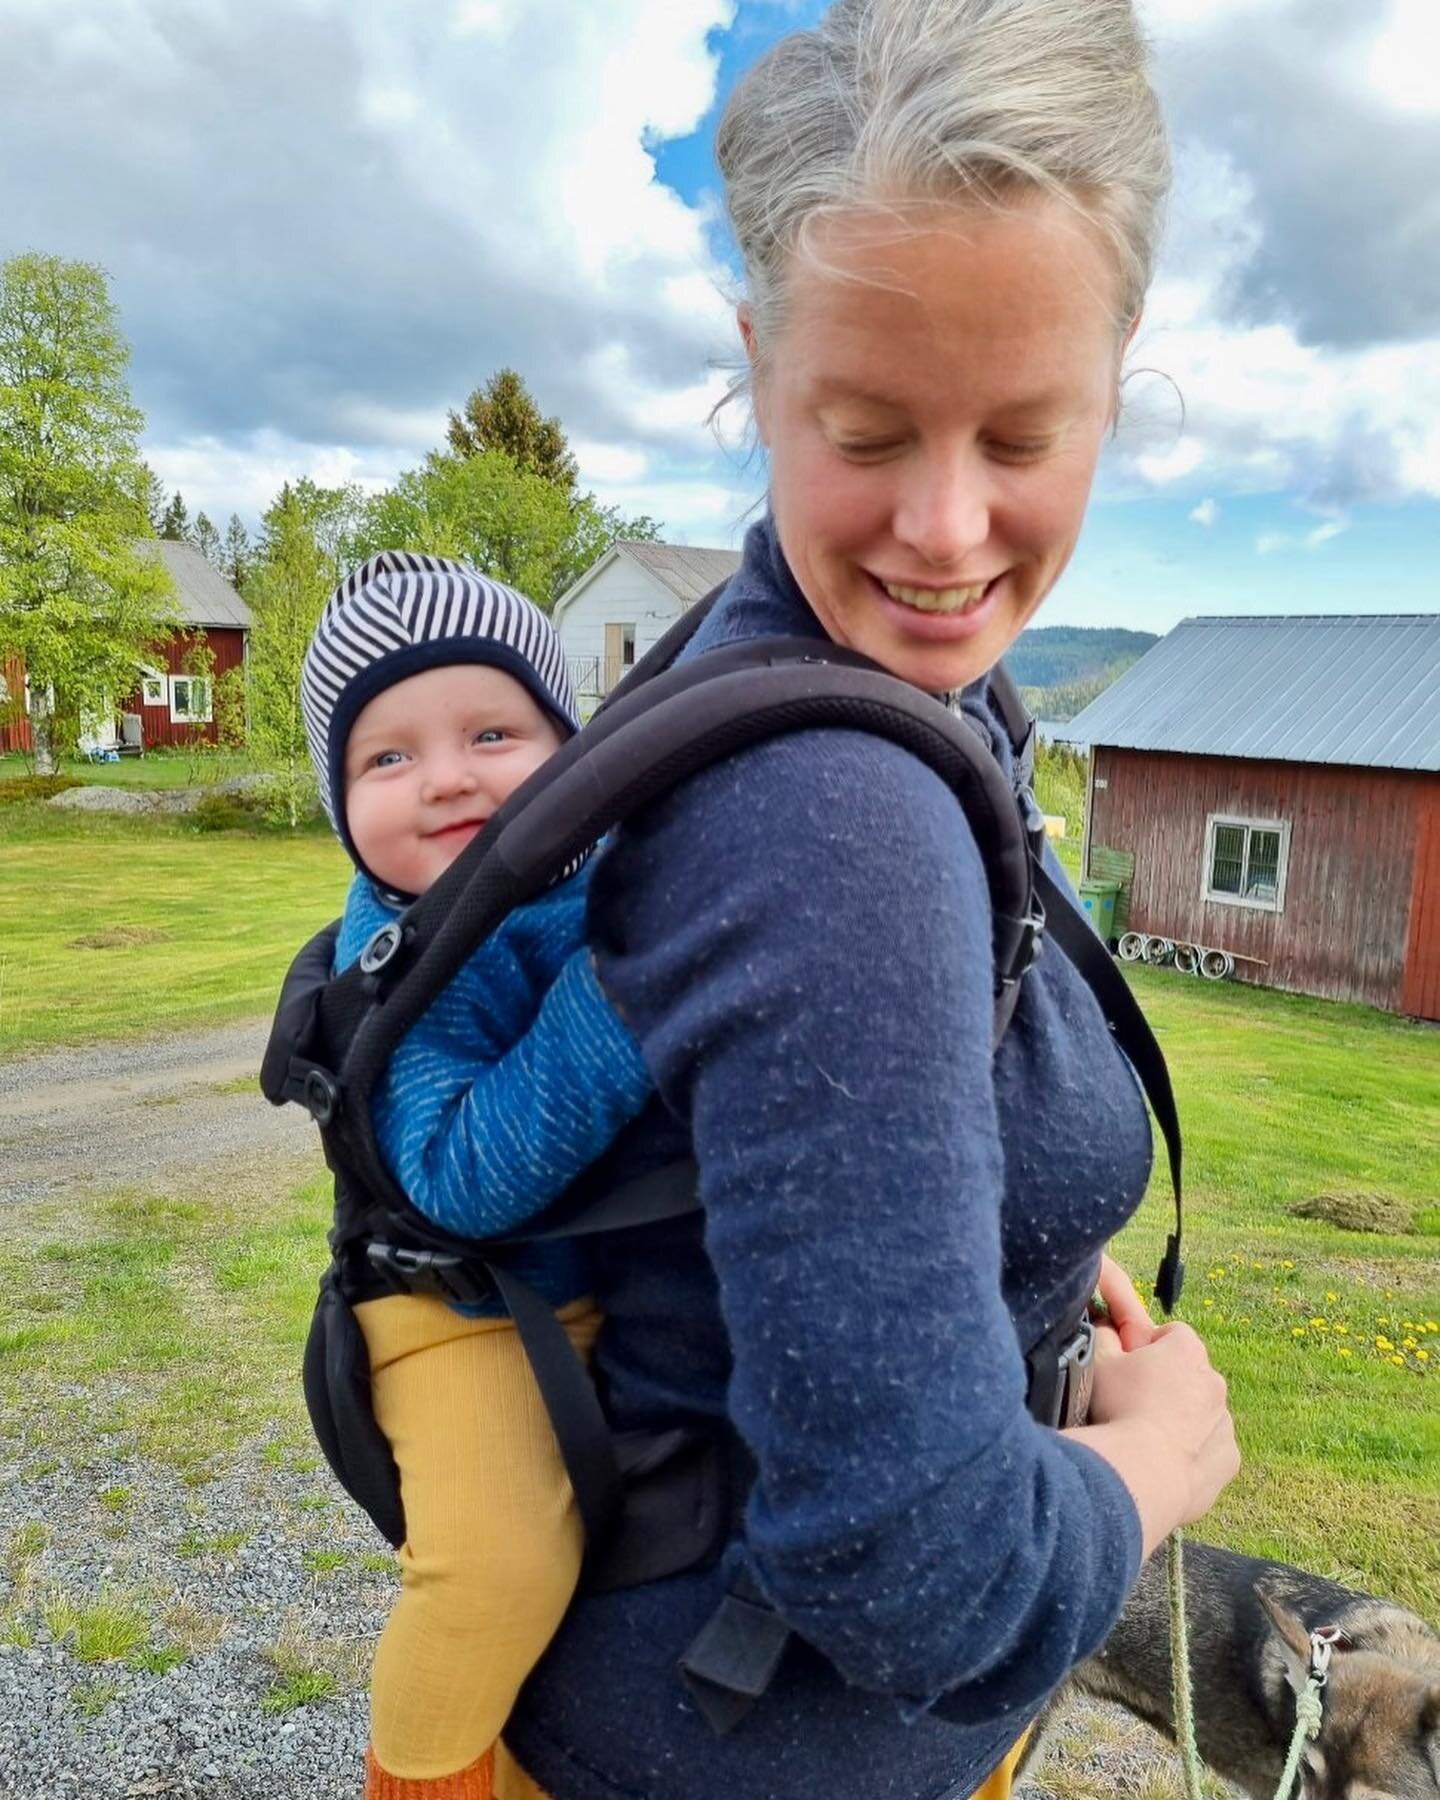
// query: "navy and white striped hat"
[[398, 614]]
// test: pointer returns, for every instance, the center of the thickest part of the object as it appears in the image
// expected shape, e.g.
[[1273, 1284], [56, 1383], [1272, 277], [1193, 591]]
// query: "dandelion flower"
[[1332, 1296], [1399, 1361], [1383, 1343], [1344, 1352], [1422, 1355], [1407, 1343], [1319, 1325], [1297, 1331], [1287, 1264]]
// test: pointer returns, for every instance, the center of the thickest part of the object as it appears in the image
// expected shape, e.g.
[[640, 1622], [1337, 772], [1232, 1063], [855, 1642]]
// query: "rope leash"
[[1181, 1691], [1309, 1705]]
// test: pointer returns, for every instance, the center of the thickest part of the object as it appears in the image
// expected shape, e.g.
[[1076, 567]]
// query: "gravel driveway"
[[117, 1112], [255, 1596]]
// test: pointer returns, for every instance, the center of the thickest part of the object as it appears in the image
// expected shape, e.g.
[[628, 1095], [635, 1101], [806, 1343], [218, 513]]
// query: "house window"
[[152, 689], [627, 646], [1245, 862], [190, 699]]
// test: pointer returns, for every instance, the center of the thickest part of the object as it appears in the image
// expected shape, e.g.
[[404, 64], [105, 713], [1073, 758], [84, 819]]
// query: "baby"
[[430, 693]]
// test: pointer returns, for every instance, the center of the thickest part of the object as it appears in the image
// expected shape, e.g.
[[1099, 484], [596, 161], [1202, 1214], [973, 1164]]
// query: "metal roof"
[[1355, 690], [688, 570], [205, 596]]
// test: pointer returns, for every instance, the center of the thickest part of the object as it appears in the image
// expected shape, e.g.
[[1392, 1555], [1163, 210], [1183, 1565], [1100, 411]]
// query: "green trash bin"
[[1098, 898]]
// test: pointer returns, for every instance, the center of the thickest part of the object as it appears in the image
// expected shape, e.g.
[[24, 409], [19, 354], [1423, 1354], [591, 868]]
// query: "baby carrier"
[[652, 1503]]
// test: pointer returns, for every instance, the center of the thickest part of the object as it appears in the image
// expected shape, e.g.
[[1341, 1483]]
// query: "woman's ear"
[[745, 319]]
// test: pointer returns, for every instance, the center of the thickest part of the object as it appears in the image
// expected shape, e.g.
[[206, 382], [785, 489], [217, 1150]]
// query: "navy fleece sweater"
[[800, 939]]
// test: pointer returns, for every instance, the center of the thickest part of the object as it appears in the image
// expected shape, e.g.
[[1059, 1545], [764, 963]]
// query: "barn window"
[[1245, 861], [190, 699]]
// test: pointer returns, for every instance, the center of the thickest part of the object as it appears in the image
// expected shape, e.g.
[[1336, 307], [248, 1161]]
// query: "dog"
[[1250, 1622]]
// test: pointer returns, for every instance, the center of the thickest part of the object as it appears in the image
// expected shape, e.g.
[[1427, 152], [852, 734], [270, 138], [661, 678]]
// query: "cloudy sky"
[[325, 221]]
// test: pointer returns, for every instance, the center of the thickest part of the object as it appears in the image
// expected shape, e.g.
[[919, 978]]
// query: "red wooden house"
[[1277, 782], [169, 705]]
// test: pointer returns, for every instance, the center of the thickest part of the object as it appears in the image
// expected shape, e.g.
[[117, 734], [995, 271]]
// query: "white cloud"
[[1322, 534], [1206, 513], [1405, 62]]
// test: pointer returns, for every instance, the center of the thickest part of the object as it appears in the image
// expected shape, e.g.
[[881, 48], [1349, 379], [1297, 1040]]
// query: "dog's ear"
[[1294, 1639]]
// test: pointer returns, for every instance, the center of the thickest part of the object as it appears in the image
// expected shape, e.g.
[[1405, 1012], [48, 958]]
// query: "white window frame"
[[1208, 894], [181, 715], [152, 687]]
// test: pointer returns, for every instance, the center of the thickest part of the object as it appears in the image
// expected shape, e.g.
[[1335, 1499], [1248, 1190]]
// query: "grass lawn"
[[120, 1315], [112, 925], [158, 769]]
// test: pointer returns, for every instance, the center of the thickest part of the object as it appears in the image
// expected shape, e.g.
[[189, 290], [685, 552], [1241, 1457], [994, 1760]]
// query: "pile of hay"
[[1358, 1212]]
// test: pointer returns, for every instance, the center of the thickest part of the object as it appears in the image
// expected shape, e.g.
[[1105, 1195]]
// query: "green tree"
[[154, 499], [305, 542], [503, 416], [508, 522], [206, 540], [175, 521], [81, 602], [236, 554], [593, 529]]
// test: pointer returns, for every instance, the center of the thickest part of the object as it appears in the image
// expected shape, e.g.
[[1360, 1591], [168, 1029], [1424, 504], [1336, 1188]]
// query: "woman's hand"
[[1124, 1307], [1159, 1417]]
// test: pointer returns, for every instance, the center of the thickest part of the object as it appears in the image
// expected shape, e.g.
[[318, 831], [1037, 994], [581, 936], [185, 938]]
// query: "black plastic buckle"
[[321, 1093], [438, 1272]]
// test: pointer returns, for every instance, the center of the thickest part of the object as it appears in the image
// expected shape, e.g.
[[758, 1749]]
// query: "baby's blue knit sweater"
[[516, 1078]]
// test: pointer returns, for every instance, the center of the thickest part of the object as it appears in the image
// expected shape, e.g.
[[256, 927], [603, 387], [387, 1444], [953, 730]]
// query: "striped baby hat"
[[402, 612]]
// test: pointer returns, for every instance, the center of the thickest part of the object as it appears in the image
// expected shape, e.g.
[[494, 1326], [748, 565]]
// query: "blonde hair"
[[944, 100]]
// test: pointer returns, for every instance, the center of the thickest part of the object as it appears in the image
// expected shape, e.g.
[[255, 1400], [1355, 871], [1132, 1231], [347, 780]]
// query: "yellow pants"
[[512, 1783], [493, 1540]]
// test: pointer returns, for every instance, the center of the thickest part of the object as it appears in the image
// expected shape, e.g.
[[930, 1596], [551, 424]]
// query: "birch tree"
[[81, 603]]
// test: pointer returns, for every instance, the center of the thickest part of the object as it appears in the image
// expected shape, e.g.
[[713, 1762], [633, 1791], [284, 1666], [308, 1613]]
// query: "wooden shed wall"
[[1351, 885], [228, 649], [14, 731], [1421, 993], [227, 646]]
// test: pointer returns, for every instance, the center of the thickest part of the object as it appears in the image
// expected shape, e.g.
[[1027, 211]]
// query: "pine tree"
[[503, 416], [206, 540], [82, 604], [236, 554], [175, 520]]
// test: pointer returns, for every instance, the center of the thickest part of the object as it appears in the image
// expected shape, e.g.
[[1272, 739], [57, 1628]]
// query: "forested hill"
[[1061, 668]]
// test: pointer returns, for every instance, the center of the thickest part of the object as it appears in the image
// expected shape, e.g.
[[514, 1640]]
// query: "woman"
[[946, 210]]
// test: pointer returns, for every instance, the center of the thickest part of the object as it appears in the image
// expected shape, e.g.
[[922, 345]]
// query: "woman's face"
[[934, 409]]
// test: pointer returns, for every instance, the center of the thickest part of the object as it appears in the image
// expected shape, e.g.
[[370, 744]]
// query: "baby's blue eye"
[[387, 759], [493, 736]]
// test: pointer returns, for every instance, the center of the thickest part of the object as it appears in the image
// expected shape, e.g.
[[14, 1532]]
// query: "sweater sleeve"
[[801, 938], [510, 1136]]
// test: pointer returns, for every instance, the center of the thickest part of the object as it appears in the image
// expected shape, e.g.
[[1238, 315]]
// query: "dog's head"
[[1380, 1737]]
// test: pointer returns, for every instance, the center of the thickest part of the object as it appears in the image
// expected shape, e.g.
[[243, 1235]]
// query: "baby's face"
[[430, 759]]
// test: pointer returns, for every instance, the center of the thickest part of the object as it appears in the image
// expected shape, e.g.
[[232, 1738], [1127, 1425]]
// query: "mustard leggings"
[[512, 1783], [493, 1541]]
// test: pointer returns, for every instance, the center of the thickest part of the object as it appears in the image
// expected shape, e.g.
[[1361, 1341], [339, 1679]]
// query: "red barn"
[[168, 706], [1277, 782]]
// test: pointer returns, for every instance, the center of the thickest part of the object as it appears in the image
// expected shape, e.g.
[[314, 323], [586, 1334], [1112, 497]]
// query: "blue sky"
[[325, 224]]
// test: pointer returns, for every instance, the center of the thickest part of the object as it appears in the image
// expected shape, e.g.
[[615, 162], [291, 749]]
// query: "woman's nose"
[[943, 510]]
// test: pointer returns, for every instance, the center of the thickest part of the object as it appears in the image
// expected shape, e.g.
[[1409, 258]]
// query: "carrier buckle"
[[1075, 1377], [321, 1094], [438, 1272]]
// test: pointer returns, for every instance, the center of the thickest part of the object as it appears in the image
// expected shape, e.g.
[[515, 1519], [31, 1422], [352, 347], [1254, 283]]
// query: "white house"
[[625, 601]]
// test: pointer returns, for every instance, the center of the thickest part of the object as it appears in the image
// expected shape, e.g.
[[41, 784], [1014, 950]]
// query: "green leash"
[[1309, 1706], [1182, 1697]]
